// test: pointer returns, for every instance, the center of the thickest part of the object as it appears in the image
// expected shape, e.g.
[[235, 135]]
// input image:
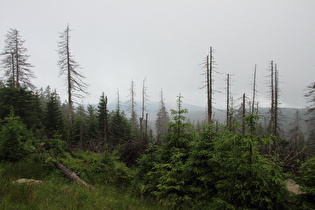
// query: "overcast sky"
[[165, 41]]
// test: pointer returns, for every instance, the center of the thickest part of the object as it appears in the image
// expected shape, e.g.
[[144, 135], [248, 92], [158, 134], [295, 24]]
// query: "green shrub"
[[245, 178], [13, 138], [110, 170], [307, 177], [306, 180]]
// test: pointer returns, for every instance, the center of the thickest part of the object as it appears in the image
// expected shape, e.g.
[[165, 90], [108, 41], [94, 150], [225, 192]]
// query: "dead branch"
[[72, 175]]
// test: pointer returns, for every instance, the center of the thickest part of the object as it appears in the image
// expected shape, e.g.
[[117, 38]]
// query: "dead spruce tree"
[[132, 102], [208, 66], [76, 87], [17, 69], [144, 121], [274, 93]]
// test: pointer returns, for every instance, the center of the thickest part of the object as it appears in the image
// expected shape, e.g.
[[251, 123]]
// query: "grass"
[[59, 192]]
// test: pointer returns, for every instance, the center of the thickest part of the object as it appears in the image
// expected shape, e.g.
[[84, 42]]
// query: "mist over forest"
[[155, 105]]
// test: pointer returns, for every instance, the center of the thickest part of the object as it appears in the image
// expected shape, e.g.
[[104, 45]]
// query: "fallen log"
[[28, 181], [72, 175]]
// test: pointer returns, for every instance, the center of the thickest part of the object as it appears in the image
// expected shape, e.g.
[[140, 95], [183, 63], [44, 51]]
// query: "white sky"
[[165, 41]]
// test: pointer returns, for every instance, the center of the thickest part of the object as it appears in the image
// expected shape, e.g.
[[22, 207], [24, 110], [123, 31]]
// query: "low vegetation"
[[208, 169]]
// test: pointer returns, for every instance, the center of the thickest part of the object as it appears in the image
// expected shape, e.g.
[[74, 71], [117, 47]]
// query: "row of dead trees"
[[274, 125], [274, 93]]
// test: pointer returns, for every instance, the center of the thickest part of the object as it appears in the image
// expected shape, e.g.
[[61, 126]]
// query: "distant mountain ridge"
[[198, 113]]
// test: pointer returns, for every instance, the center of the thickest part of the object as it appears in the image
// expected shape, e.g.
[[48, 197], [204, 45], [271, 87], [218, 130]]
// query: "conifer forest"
[[76, 155]]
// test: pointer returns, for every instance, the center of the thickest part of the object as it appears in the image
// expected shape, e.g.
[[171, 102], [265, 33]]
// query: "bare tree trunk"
[[70, 105], [272, 104], [133, 119], [243, 114], [146, 129], [144, 98], [74, 79], [272, 110], [254, 91], [106, 129], [228, 102], [252, 128], [209, 84]]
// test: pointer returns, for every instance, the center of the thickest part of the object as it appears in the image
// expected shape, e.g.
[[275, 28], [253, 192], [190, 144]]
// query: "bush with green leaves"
[[306, 179], [199, 168], [307, 176], [244, 177], [163, 171], [219, 168], [14, 139], [110, 171]]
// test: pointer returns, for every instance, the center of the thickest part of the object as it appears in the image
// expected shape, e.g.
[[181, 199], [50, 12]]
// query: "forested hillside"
[[104, 157]]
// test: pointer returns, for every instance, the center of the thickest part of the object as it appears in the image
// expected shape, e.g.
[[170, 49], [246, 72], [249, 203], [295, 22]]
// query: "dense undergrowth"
[[166, 184], [212, 168], [113, 189]]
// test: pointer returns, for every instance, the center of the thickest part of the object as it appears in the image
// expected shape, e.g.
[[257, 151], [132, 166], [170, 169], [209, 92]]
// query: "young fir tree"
[[53, 120], [310, 142], [93, 134], [79, 128], [162, 120], [25, 104], [306, 180], [103, 118], [199, 168], [120, 129], [15, 61], [167, 178], [245, 178], [13, 138]]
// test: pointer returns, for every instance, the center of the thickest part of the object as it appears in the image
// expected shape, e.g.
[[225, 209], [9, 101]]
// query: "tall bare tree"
[[144, 100], [274, 92], [210, 84], [208, 66], [252, 128], [133, 118], [254, 91], [229, 103], [17, 69], [243, 113], [76, 87]]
